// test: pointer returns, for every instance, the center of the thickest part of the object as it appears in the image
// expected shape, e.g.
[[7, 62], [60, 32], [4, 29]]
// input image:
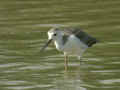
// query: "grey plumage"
[[65, 38], [83, 36]]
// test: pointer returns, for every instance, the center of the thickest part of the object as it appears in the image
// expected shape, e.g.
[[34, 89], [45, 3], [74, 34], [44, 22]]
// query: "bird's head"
[[53, 34]]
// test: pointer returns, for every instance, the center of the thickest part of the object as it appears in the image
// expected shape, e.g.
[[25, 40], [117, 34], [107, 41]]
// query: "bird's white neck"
[[59, 44]]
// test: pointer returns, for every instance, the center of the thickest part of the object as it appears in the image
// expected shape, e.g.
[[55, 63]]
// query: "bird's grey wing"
[[83, 36]]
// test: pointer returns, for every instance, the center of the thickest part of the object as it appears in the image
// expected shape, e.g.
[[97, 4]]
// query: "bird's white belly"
[[74, 46]]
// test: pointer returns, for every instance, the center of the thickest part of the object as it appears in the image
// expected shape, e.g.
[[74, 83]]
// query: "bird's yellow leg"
[[66, 62]]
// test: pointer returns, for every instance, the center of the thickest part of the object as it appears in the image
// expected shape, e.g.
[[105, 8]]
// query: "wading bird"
[[71, 41]]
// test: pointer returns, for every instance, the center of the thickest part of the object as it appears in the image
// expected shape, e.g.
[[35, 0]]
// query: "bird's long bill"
[[45, 46]]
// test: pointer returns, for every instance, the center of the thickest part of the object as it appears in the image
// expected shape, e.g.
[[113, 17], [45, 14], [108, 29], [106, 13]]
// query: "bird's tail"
[[91, 42]]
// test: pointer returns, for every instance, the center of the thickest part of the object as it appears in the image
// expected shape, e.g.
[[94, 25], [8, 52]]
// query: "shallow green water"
[[23, 27]]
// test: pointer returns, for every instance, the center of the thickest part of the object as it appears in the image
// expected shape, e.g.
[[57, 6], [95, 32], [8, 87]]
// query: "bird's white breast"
[[74, 46], [59, 45]]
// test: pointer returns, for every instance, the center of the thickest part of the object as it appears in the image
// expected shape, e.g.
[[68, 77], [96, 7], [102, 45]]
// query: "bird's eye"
[[55, 34]]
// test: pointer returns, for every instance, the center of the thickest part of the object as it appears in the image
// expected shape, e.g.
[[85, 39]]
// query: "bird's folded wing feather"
[[83, 36]]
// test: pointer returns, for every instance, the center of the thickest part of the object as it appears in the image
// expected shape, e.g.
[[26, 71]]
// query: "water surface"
[[23, 28]]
